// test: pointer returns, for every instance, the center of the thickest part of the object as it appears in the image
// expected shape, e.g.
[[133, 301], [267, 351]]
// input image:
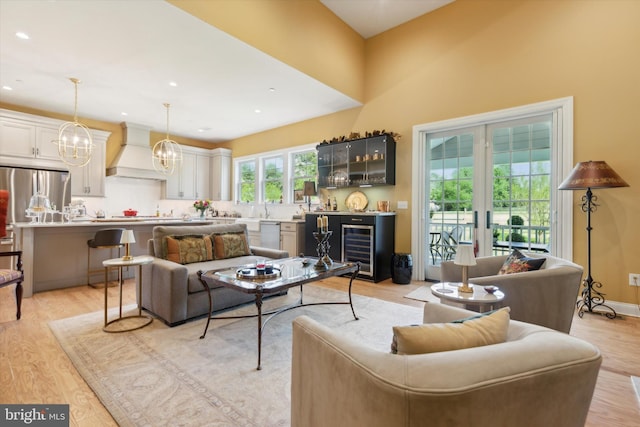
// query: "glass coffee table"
[[287, 273]]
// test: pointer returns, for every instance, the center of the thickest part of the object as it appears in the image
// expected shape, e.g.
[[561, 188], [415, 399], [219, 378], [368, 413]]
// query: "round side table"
[[448, 291], [121, 263]]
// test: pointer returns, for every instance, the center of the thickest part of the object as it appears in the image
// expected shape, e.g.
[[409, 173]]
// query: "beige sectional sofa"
[[171, 288], [546, 297], [538, 377]]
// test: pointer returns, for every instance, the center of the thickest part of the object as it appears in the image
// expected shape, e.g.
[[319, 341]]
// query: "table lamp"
[[126, 239], [309, 190], [465, 258]]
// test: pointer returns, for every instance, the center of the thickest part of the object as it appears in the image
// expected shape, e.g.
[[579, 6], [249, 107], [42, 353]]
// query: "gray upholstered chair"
[[538, 377], [545, 297]]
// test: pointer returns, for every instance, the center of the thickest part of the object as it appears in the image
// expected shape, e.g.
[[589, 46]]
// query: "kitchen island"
[[55, 254]]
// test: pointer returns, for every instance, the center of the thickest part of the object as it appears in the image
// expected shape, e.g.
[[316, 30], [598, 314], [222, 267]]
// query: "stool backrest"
[[107, 237]]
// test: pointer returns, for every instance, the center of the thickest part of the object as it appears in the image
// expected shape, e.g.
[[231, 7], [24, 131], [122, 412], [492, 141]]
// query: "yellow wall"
[[303, 34], [475, 56]]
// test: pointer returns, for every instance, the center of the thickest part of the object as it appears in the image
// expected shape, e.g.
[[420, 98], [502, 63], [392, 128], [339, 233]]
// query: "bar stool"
[[104, 239]]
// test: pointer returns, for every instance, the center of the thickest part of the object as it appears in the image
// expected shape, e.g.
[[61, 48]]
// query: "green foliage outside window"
[[247, 182]]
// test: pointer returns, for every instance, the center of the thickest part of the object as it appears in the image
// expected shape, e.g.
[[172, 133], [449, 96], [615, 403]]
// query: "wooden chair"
[[10, 276]]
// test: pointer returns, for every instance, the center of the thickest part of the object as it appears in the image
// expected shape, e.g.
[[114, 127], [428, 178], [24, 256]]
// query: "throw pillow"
[[189, 249], [517, 262], [436, 337], [230, 245]]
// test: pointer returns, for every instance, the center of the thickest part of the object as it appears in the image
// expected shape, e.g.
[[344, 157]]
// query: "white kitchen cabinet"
[[220, 174], [27, 140], [202, 177], [20, 138], [192, 181], [89, 180], [292, 237]]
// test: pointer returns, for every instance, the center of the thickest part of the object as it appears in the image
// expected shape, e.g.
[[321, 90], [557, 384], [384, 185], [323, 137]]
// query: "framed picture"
[[298, 196]]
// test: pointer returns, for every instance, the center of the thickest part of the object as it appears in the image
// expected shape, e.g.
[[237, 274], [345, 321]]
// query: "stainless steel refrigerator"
[[23, 183]]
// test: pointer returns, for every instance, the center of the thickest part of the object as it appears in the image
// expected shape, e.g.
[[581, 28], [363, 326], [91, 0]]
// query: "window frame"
[[259, 160]]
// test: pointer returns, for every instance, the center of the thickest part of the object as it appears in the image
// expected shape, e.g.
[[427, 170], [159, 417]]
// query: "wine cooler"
[[358, 246]]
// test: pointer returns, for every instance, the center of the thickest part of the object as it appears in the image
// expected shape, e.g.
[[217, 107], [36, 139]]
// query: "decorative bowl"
[[490, 289]]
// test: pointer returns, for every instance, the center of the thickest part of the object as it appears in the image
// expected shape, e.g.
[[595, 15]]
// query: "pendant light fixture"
[[74, 139], [167, 154]]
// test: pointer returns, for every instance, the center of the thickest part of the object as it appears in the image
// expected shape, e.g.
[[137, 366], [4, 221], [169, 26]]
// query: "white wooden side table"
[[121, 263], [448, 291]]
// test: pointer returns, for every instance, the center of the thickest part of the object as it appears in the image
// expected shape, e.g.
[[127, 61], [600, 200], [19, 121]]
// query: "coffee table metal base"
[[271, 314]]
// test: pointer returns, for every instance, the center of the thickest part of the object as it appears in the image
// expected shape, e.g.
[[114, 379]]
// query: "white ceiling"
[[221, 81]]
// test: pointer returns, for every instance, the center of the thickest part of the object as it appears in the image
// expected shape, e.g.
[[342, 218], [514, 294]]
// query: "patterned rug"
[[158, 376]]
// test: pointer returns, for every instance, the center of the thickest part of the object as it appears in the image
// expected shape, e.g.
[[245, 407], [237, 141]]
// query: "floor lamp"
[[588, 175]]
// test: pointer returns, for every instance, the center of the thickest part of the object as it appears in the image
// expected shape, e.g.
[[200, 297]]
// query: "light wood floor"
[[34, 369]]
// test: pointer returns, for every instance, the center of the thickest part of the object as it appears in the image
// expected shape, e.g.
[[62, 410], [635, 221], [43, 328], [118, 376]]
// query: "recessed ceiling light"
[[124, 113], [23, 36], [173, 84], [257, 111], [272, 89], [7, 88]]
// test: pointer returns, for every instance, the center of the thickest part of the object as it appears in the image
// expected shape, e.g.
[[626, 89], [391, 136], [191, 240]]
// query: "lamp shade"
[[309, 188], [127, 237], [464, 255], [592, 174]]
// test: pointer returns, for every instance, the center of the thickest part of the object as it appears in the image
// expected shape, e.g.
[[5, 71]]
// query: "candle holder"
[[322, 248]]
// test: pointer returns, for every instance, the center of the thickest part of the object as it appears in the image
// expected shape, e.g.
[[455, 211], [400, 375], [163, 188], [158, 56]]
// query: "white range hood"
[[134, 159]]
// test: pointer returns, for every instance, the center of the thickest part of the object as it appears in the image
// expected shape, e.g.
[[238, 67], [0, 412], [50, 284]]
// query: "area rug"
[[157, 376], [423, 293]]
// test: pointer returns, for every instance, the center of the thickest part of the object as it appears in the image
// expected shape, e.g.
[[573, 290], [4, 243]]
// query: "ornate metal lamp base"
[[592, 300]]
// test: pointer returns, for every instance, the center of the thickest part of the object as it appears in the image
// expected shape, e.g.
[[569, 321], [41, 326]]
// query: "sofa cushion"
[[436, 337], [517, 262], [230, 245], [162, 231], [187, 249]]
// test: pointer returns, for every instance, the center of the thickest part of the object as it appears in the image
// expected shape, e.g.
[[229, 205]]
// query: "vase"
[[201, 214]]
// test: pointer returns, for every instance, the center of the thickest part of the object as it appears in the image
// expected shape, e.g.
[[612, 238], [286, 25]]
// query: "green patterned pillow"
[[230, 245], [189, 249]]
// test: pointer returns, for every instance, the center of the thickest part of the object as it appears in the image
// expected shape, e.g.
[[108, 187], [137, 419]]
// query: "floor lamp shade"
[[588, 175]]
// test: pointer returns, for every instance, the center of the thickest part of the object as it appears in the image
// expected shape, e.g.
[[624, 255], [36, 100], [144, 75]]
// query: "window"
[[273, 183], [247, 181], [275, 176], [305, 168]]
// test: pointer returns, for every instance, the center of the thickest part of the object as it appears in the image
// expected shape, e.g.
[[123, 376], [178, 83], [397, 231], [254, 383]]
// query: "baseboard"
[[624, 308]]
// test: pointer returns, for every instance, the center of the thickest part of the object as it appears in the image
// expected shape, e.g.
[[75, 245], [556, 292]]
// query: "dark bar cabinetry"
[[368, 238]]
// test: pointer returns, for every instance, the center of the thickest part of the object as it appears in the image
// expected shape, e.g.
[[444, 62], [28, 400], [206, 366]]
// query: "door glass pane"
[[451, 194], [521, 199]]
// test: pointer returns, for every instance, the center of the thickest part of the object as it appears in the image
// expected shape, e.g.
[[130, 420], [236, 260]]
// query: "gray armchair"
[[545, 297], [337, 381]]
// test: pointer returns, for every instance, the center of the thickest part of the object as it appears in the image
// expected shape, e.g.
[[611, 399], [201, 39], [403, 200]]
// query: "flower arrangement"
[[202, 205]]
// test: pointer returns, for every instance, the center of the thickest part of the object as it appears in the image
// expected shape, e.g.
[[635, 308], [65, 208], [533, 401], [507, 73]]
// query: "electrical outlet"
[[634, 279]]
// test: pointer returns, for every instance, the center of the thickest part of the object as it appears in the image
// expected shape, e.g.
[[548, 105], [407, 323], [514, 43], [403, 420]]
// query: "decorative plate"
[[356, 201]]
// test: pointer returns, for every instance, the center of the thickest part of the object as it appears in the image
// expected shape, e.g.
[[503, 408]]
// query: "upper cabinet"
[[193, 180], [28, 140], [221, 174], [362, 162]]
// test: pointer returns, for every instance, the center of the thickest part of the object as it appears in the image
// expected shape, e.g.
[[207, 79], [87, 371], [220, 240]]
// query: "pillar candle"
[[319, 222]]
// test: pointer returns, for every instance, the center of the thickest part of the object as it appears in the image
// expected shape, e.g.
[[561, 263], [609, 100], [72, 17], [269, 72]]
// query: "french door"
[[492, 185]]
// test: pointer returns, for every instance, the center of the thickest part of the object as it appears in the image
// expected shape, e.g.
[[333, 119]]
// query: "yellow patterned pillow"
[[435, 337], [189, 249], [230, 245]]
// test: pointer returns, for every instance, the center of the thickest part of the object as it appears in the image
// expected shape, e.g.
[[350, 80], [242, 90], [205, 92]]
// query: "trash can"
[[401, 268]]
